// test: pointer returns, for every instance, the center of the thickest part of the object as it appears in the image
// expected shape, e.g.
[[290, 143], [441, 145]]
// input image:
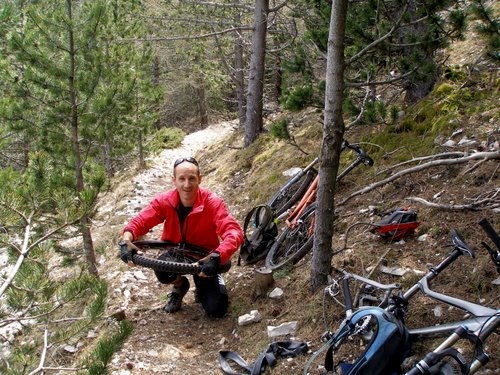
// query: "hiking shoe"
[[175, 297]]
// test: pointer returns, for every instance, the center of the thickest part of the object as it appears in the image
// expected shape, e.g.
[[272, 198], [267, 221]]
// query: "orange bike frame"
[[308, 198]]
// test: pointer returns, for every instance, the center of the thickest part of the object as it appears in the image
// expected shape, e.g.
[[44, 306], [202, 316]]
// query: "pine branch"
[[176, 38], [379, 40]]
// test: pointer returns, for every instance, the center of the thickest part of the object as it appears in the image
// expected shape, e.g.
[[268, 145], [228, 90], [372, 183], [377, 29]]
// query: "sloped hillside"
[[461, 115]]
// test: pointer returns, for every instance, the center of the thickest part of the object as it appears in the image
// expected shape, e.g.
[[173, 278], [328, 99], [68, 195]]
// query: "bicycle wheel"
[[287, 197], [294, 243], [181, 260]]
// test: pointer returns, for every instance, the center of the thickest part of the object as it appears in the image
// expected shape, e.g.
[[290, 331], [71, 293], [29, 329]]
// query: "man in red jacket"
[[195, 216]]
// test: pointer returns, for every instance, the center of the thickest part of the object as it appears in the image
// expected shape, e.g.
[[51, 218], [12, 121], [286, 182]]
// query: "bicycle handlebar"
[[365, 159], [492, 234]]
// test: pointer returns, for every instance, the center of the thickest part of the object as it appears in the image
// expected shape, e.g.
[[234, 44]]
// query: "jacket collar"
[[198, 206]]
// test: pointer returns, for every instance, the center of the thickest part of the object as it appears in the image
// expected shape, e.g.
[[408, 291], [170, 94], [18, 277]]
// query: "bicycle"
[[297, 238], [181, 258], [385, 335]]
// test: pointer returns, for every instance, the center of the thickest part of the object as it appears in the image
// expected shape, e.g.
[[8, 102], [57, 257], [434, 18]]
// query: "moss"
[[166, 138], [443, 89]]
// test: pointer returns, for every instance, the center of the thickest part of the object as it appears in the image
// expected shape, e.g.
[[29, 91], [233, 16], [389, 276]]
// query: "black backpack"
[[258, 243]]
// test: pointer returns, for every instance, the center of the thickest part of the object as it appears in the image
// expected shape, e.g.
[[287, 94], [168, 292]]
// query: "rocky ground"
[[183, 343]]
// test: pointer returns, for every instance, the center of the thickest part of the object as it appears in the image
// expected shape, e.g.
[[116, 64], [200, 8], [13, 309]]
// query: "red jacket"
[[209, 224]]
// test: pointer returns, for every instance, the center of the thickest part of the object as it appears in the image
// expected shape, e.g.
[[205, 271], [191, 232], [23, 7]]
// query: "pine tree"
[[71, 89], [387, 43], [34, 210]]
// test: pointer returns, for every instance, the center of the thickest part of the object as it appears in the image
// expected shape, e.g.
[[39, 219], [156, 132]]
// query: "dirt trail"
[[183, 343]]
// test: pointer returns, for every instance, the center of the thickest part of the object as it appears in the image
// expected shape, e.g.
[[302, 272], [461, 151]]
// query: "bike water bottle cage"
[[389, 343], [397, 225]]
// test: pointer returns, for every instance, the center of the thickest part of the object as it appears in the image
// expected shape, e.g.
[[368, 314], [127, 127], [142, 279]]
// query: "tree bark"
[[85, 221], [253, 123], [156, 82], [239, 76], [202, 102], [333, 134]]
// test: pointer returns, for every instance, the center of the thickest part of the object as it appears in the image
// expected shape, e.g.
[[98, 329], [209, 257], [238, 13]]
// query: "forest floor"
[[188, 342], [181, 343]]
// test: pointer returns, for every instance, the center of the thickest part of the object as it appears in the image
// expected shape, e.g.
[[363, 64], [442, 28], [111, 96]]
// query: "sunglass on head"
[[182, 160]]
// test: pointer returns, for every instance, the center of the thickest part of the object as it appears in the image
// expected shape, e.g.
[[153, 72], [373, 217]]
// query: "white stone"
[[283, 329], [70, 348], [253, 317], [438, 311], [396, 271], [276, 293], [152, 353], [139, 275], [449, 143], [496, 281], [423, 237]]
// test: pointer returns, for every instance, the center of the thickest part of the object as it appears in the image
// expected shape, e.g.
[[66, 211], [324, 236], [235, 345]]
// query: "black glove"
[[211, 267], [125, 253]]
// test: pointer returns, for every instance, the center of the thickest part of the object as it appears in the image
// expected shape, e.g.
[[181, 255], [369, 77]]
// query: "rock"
[[449, 143], [139, 275], [69, 349], [283, 329], [396, 271], [423, 237], [466, 142], [253, 317], [276, 293], [438, 311]]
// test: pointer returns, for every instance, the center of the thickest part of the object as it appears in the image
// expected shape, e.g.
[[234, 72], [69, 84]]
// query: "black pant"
[[211, 292]]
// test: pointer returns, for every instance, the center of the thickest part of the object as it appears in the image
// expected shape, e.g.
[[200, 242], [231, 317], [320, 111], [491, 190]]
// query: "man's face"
[[186, 180]]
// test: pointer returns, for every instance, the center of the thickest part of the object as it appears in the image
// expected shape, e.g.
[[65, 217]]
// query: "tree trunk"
[[84, 222], [253, 123], [140, 146], [239, 78], [333, 133], [156, 83], [278, 73], [202, 102]]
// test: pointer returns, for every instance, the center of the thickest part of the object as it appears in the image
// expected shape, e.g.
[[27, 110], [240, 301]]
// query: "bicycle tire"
[[183, 260], [293, 244], [283, 200]]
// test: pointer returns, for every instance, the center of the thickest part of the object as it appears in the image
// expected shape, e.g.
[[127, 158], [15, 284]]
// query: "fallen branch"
[[41, 366], [453, 207], [418, 168], [422, 158], [489, 202]]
